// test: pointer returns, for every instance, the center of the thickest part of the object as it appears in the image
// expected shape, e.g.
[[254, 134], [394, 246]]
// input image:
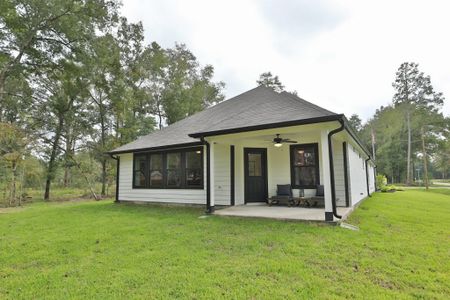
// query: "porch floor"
[[262, 210]]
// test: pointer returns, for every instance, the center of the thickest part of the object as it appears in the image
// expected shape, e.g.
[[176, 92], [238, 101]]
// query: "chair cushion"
[[284, 190], [319, 191]]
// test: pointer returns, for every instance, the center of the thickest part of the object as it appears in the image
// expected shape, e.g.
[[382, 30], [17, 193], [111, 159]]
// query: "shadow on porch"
[[262, 210]]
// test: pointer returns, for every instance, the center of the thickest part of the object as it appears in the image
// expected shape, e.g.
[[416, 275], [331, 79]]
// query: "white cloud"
[[339, 54]]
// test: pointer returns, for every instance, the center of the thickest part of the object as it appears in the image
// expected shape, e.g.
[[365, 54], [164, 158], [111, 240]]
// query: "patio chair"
[[284, 195], [319, 199]]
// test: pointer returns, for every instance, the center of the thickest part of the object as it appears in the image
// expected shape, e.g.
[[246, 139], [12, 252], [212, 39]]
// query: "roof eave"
[[150, 149], [268, 126]]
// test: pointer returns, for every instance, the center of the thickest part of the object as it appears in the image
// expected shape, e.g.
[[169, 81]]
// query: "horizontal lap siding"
[[127, 193], [357, 175], [339, 175], [222, 174]]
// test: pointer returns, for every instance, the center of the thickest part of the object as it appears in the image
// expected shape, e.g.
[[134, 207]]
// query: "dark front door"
[[255, 172]]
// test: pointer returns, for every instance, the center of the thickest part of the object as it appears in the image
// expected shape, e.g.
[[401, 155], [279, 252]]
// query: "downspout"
[[367, 177], [117, 159], [330, 154], [209, 208]]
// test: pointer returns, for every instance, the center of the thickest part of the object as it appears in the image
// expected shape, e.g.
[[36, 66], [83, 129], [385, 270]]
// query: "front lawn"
[[104, 250]]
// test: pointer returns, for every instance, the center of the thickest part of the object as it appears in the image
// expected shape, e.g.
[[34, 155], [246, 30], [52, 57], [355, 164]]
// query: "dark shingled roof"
[[258, 107]]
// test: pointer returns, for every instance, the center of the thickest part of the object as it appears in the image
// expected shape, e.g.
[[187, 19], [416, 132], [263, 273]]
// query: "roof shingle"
[[256, 107]]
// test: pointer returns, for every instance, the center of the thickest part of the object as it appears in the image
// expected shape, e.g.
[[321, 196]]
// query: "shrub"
[[381, 181]]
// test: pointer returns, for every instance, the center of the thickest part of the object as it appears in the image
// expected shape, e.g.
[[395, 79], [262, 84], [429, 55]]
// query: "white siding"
[[127, 193], [278, 164], [372, 184], [339, 175], [357, 175], [222, 174]]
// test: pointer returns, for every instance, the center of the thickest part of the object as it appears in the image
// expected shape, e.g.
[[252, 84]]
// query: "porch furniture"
[[284, 195], [302, 201], [319, 199]]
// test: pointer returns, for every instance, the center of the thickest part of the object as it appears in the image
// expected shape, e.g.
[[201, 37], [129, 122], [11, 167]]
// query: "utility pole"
[[424, 157], [373, 143]]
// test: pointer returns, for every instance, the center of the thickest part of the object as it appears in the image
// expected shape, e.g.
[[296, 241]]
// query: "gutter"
[[333, 186], [209, 208], [117, 159], [367, 178]]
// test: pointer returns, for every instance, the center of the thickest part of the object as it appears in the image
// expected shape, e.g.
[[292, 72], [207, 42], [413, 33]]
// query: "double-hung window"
[[304, 166]]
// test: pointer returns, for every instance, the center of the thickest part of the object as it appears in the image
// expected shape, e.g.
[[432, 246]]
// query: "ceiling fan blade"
[[289, 141]]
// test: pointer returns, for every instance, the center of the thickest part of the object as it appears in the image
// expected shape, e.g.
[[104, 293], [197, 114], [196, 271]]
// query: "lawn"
[[105, 250]]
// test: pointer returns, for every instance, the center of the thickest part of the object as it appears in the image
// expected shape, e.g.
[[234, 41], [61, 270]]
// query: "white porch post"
[[325, 169]]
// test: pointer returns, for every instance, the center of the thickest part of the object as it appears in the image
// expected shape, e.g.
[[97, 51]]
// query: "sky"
[[339, 54]]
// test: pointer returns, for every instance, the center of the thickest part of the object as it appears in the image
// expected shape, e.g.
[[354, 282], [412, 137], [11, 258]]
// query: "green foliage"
[[164, 252], [390, 188], [381, 181], [268, 80], [355, 122], [80, 80]]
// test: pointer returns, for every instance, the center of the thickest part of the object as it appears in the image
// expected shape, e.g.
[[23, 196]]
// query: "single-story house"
[[238, 151]]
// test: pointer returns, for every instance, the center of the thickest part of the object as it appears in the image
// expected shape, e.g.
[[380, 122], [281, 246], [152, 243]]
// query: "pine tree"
[[413, 90]]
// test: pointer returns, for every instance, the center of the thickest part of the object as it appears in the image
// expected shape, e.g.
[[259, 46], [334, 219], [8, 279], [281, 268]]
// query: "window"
[[171, 169], [156, 170], [140, 173], [194, 168], [304, 166], [254, 164]]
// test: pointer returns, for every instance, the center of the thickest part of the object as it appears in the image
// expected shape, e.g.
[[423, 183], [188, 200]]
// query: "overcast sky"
[[340, 54]]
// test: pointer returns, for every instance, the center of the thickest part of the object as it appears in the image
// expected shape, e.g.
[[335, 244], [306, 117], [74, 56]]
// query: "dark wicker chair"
[[319, 199], [284, 195]]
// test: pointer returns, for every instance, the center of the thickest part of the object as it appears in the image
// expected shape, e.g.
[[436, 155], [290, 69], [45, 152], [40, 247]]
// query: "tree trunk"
[[51, 163], [408, 157], [67, 166], [424, 154], [103, 193]]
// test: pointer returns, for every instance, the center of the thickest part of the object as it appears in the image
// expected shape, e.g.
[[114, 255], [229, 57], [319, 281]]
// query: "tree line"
[[411, 134], [77, 79], [406, 137]]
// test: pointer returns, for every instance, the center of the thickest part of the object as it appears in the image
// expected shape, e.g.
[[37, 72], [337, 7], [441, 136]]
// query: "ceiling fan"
[[278, 142]]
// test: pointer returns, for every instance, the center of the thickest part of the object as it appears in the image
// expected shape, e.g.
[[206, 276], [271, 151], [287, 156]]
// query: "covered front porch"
[[246, 167], [262, 210]]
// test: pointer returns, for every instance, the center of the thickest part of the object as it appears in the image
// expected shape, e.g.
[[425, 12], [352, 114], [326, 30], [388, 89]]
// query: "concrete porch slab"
[[262, 210]]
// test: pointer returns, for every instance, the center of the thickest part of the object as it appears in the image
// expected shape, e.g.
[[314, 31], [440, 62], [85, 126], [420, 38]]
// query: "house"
[[237, 151]]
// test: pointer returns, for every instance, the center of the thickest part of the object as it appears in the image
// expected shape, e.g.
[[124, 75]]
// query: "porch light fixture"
[[198, 152], [278, 141]]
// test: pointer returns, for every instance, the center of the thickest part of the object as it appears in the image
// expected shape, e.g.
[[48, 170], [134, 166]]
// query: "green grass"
[[104, 250]]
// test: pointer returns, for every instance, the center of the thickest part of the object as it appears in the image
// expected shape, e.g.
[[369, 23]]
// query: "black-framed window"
[[177, 169], [305, 166], [156, 170], [194, 170], [140, 170], [173, 169]]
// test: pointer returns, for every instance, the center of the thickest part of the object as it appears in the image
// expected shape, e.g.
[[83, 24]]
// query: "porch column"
[[325, 169], [211, 177]]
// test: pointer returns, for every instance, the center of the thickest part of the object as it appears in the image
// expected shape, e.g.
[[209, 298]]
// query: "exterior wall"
[[357, 175], [222, 174], [278, 165], [278, 168], [339, 175], [127, 193], [372, 180]]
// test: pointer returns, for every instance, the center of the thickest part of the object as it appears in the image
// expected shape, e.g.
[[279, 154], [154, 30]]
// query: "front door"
[[255, 174]]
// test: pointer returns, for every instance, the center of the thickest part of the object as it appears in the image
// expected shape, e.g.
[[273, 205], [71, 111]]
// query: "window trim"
[[164, 153], [292, 149]]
